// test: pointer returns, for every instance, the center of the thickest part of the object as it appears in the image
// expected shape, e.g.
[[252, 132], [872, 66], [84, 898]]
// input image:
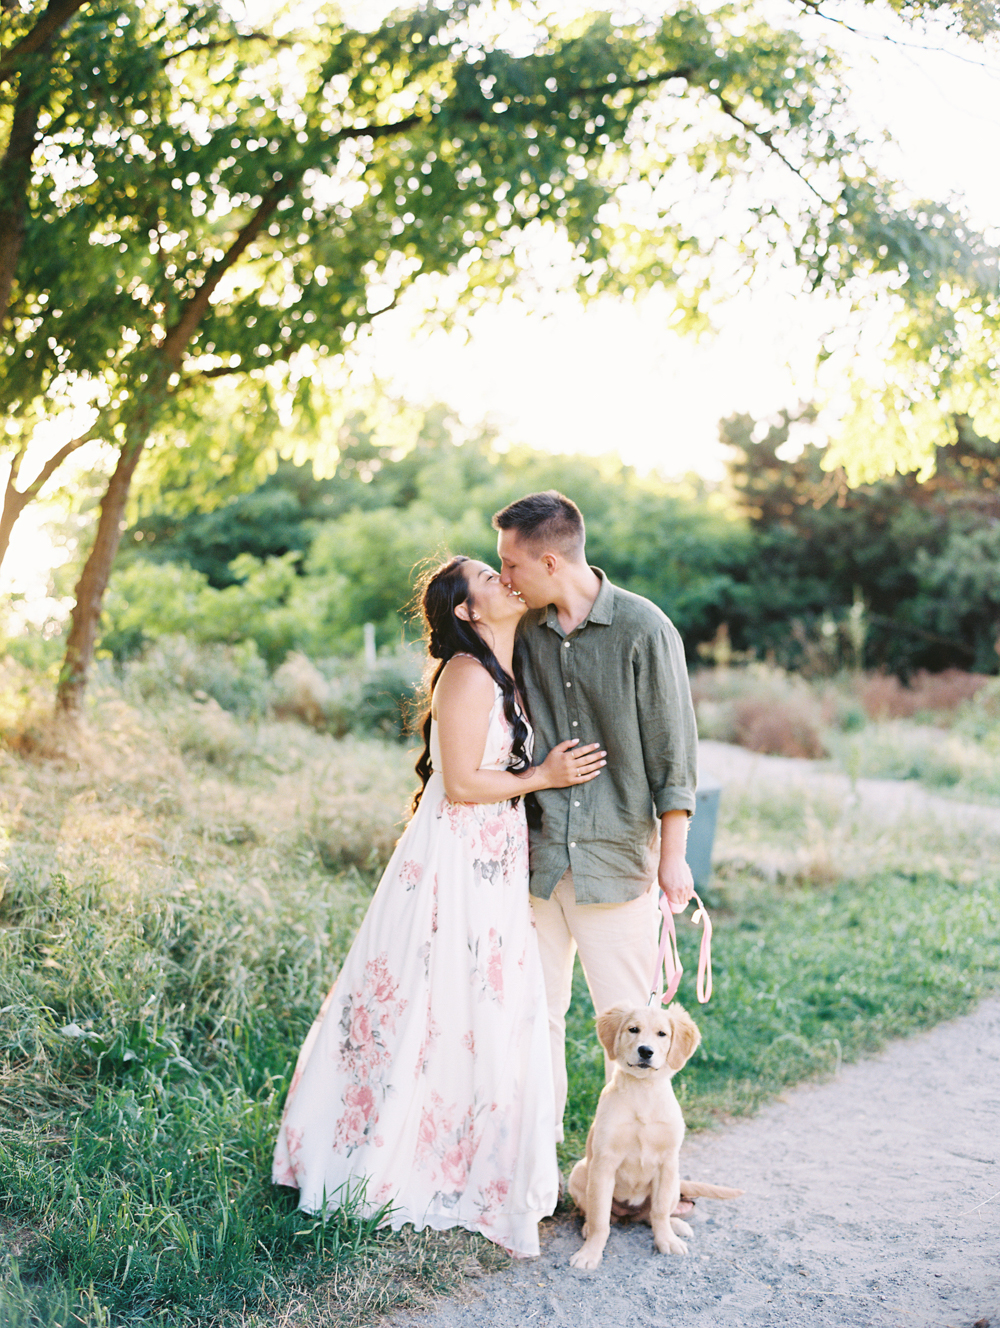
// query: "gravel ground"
[[871, 1200]]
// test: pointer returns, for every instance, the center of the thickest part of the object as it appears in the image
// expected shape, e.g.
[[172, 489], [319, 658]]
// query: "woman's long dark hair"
[[446, 635]]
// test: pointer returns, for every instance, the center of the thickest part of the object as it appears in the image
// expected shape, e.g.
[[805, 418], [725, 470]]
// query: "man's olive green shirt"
[[619, 679]]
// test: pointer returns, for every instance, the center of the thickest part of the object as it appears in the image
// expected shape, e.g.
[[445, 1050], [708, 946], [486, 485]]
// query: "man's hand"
[[674, 874]]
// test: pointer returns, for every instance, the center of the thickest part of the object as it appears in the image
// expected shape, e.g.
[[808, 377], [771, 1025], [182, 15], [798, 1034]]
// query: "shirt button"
[[569, 684], [576, 804], [566, 645], [573, 843], [576, 724]]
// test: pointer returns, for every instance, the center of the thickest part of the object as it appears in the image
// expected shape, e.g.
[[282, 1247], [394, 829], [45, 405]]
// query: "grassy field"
[[179, 888]]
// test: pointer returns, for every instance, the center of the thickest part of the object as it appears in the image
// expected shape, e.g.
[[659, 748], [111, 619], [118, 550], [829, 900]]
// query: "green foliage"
[[183, 222], [791, 563], [919, 554], [384, 515], [234, 677]]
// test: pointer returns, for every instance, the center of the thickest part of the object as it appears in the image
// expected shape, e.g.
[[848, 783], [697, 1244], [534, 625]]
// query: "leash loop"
[[668, 961]]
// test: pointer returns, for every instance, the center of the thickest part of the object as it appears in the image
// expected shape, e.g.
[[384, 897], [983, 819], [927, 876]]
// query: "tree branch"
[[172, 345], [57, 13], [767, 138], [227, 41], [54, 462], [33, 489], [15, 467]]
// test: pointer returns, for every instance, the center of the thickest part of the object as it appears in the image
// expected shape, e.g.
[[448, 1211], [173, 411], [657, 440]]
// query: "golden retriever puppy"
[[634, 1144]]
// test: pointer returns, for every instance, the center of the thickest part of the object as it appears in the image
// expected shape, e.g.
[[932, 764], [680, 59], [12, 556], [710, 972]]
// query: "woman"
[[426, 1081]]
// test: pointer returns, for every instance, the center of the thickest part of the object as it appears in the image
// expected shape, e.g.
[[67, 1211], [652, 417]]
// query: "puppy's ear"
[[685, 1039], [609, 1023]]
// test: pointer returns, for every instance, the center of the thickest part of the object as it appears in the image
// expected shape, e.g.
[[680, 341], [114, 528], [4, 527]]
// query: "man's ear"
[[550, 562]]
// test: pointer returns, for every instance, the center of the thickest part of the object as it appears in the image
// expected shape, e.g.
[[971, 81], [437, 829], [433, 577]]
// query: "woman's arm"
[[463, 699]]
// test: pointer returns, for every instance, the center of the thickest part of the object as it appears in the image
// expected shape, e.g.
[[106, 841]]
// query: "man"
[[602, 665]]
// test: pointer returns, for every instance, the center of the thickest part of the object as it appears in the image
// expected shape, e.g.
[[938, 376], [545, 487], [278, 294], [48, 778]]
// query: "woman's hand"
[[563, 766]]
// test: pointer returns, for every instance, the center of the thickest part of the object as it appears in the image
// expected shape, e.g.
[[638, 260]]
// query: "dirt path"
[[889, 799], [872, 1200]]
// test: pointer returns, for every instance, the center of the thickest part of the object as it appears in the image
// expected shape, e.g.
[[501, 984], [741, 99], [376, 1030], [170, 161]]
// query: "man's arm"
[[669, 749], [674, 874]]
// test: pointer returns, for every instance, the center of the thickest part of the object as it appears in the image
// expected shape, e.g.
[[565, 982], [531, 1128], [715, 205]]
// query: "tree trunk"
[[14, 200], [86, 615]]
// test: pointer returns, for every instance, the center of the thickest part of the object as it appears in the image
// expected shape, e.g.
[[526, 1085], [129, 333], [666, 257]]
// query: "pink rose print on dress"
[[434, 1122], [361, 1026], [368, 1016], [488, 968], [455, 1164], [446, 1150], [410, 873], [430, 1037], [492, 1196], [494, 966], [494, 837], [287, 1169]]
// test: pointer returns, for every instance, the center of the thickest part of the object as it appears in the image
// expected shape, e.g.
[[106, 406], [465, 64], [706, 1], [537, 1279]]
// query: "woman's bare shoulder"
[[463, 681]]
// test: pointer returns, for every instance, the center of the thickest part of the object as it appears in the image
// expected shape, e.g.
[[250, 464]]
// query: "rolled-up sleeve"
[[667, 726]]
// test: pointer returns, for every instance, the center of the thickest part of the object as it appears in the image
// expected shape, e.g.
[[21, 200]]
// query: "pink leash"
[[668, 960]]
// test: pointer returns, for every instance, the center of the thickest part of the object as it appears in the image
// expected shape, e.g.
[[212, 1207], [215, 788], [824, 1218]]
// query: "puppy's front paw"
[[667, 1243], [587, 1256], [681, 1228]]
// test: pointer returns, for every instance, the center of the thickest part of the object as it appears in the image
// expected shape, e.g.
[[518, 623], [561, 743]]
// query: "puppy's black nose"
[[645, 1053]]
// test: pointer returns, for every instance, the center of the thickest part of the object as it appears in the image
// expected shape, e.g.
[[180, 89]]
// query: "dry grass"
[[179, 887]]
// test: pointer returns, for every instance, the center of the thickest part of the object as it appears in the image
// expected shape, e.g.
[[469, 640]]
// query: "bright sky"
[[613, 377]]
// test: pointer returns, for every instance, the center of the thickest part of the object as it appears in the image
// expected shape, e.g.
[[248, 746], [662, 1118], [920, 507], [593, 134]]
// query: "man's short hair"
[[546, 520]]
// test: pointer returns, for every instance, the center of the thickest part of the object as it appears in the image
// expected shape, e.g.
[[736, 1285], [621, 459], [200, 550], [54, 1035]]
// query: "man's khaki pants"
[[617, 945]]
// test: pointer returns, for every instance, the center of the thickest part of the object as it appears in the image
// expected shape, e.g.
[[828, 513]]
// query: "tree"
[[919, 552], [215, 201]]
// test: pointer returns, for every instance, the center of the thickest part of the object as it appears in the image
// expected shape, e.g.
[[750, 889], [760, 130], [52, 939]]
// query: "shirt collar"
[[601, 611]]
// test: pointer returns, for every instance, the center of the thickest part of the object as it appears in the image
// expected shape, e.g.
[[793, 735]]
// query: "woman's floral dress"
[[427, 1074]]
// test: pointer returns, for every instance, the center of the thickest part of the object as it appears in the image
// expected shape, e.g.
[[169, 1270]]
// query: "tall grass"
[[179, 889], [181, 882]]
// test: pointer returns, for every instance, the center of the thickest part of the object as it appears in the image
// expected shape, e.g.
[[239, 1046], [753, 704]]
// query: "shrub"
[[897, 749], [790, 726], [233, 676], [373, 701], [301, 692], [762, 708], [884, 696]]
